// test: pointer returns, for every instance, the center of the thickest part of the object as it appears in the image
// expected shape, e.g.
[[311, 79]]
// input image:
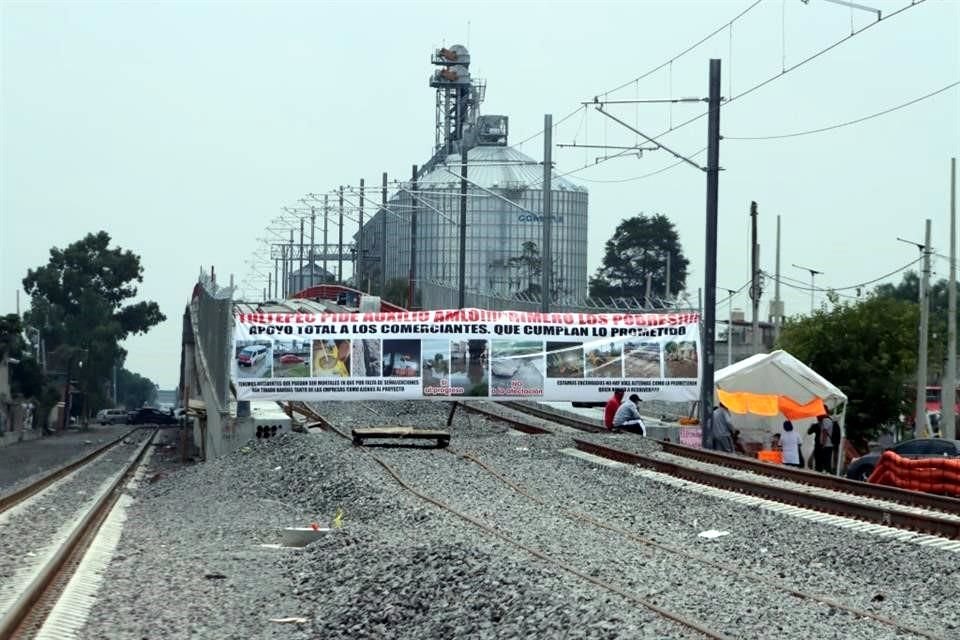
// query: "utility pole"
[[383, 233], [709, 318], [300, 272], [276, 274], [546, 263], [326, 220], [411, 287], [920, 424], [340, 242], [667, 292], [361, 270], [776, 307], [289, 278], [948, 424], [646, 296], [269, 286], [313, 246], [755, 278], [813, 274], [462, 284]]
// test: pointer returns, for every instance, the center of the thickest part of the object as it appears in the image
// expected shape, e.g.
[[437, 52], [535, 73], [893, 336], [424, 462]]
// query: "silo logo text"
[[532, 217]]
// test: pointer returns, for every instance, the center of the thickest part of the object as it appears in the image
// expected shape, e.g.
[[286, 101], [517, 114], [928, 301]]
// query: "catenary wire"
[[653, 70], [760, 84], [849, 122], [860, 285]]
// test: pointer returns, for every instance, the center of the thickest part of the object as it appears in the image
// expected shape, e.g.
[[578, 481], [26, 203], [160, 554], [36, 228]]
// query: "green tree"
[[640, 246], [134, 390], [867, 348], [11, 335], [79, 302]]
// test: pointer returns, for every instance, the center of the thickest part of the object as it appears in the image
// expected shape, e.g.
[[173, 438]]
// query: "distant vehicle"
[[862, 467], [252, 355], [111, 416], [291, 358], [149, 415]]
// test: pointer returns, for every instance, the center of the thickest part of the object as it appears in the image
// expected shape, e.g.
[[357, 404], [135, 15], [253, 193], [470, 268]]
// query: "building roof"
[[493, 167]]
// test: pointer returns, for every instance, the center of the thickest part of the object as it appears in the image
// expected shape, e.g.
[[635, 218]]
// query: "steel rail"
[[838, 506], [19, 495], [801, 476], [12, 622]]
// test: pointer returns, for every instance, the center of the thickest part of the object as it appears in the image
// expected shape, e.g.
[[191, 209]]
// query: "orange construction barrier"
[[932, 475]]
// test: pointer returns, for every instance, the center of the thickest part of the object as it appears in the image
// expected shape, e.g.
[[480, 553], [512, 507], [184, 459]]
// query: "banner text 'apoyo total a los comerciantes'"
[[464, 354]]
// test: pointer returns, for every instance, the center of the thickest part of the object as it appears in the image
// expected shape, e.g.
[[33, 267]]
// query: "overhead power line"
[[651, 71], [783, 280], [757, 86], [849, 122]]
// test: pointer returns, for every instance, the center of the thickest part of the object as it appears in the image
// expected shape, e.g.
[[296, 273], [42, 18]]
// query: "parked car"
[[291, 358], [111, 416], [862, 467], [149, 415]]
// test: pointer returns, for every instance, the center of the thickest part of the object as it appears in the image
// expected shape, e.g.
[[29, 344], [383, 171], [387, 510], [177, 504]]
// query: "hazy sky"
[[181, 128]]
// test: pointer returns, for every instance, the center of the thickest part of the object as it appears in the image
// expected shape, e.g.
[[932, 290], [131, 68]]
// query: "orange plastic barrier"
[[932, 475]]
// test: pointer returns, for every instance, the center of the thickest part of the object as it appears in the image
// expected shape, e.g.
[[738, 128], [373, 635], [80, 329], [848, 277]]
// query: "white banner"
[[463, 354]]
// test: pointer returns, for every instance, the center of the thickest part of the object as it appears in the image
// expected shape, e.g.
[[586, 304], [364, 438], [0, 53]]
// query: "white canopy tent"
[[778, 375]]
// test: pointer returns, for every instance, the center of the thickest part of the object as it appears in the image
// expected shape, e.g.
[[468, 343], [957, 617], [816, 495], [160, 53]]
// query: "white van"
[[252, 355]]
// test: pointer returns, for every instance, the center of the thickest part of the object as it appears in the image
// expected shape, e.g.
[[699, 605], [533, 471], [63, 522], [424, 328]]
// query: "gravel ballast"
[[190, 564]]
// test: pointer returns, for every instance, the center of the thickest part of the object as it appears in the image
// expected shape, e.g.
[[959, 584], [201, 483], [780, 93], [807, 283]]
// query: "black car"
[[149, 415], [862, 467]]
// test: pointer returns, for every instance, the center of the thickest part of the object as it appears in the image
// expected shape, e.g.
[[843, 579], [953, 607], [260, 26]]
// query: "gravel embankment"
[[401, 568]]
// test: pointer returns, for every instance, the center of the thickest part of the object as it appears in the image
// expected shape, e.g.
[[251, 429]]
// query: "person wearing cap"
[[628, 417], [610, 410]]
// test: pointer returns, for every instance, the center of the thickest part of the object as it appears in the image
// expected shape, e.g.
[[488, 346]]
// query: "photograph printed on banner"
[[468, 368], [681, 359], [252, 359], [331, 358], [366, 359], [291, 359], [401, 358], [435, 364], [604, 360], [565, 360], [642, 360], [517, 368]]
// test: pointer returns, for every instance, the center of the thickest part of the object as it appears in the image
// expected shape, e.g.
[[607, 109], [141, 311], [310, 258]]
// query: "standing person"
[[721, 426], [790, 442], [814, 430], [610, 410], [825, 437], [628, 417]]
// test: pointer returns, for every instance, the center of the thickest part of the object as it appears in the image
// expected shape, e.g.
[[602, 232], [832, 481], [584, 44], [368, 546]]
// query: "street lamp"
[[813, 274]]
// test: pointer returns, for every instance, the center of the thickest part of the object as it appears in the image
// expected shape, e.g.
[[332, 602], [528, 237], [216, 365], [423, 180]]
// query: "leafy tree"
[[640, 246], [908, 290], [11, 338], [78, 300], [134, 390], [866, 348]]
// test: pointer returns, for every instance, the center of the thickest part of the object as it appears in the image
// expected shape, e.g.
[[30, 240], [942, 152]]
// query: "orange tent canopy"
[[762, 404]]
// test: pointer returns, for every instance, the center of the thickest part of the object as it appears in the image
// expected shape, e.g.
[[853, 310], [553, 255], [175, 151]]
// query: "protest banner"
[[465, 354]]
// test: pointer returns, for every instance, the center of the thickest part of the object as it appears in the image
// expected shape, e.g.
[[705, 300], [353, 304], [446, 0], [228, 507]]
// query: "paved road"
[[25, 459]]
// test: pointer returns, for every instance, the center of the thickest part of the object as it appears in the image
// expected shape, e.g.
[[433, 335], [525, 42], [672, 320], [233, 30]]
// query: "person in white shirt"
[[790, 443], [628, 418]]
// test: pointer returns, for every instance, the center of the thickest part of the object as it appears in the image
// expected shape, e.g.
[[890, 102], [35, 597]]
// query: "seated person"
[[628, 417]]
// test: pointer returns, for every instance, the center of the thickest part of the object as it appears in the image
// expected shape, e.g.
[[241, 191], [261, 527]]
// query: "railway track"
[[631, 537], [38, 583], [9, 500], [863, 501]]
